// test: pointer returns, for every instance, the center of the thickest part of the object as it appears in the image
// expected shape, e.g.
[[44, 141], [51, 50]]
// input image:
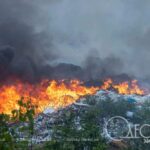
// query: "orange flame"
[[56, 94], [124, 88], [107, 84]]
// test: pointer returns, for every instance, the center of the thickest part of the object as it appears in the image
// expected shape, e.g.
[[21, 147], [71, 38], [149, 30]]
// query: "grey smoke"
[[105, 38], [96, 67], [24, 37], [113, 27]]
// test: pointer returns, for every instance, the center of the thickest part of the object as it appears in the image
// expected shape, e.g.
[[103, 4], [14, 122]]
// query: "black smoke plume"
[[23, 45], [55, 39]]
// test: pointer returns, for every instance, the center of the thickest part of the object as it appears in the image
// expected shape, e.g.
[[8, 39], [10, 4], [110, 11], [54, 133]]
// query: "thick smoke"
[[96, 67], [24, 42], [115, 28], [104, 38]]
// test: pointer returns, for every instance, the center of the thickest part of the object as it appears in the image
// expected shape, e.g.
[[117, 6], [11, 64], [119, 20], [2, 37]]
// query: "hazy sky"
[[110, 27], [70, 30]]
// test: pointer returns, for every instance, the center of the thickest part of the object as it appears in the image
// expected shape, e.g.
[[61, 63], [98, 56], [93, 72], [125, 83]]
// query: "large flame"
[[56, 94], [126, 88]]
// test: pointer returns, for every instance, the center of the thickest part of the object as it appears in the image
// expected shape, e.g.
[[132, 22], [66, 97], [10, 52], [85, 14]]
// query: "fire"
[[63, 95], [107, 84], [46, 94], [124, 88], [56, 94]]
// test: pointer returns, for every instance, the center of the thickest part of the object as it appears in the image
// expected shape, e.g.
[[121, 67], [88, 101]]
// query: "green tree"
[[9, 138], [6, 139], [79, 130], [25, 114]]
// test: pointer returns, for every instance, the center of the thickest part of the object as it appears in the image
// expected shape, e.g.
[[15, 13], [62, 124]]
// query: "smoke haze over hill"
[[103, 37]]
